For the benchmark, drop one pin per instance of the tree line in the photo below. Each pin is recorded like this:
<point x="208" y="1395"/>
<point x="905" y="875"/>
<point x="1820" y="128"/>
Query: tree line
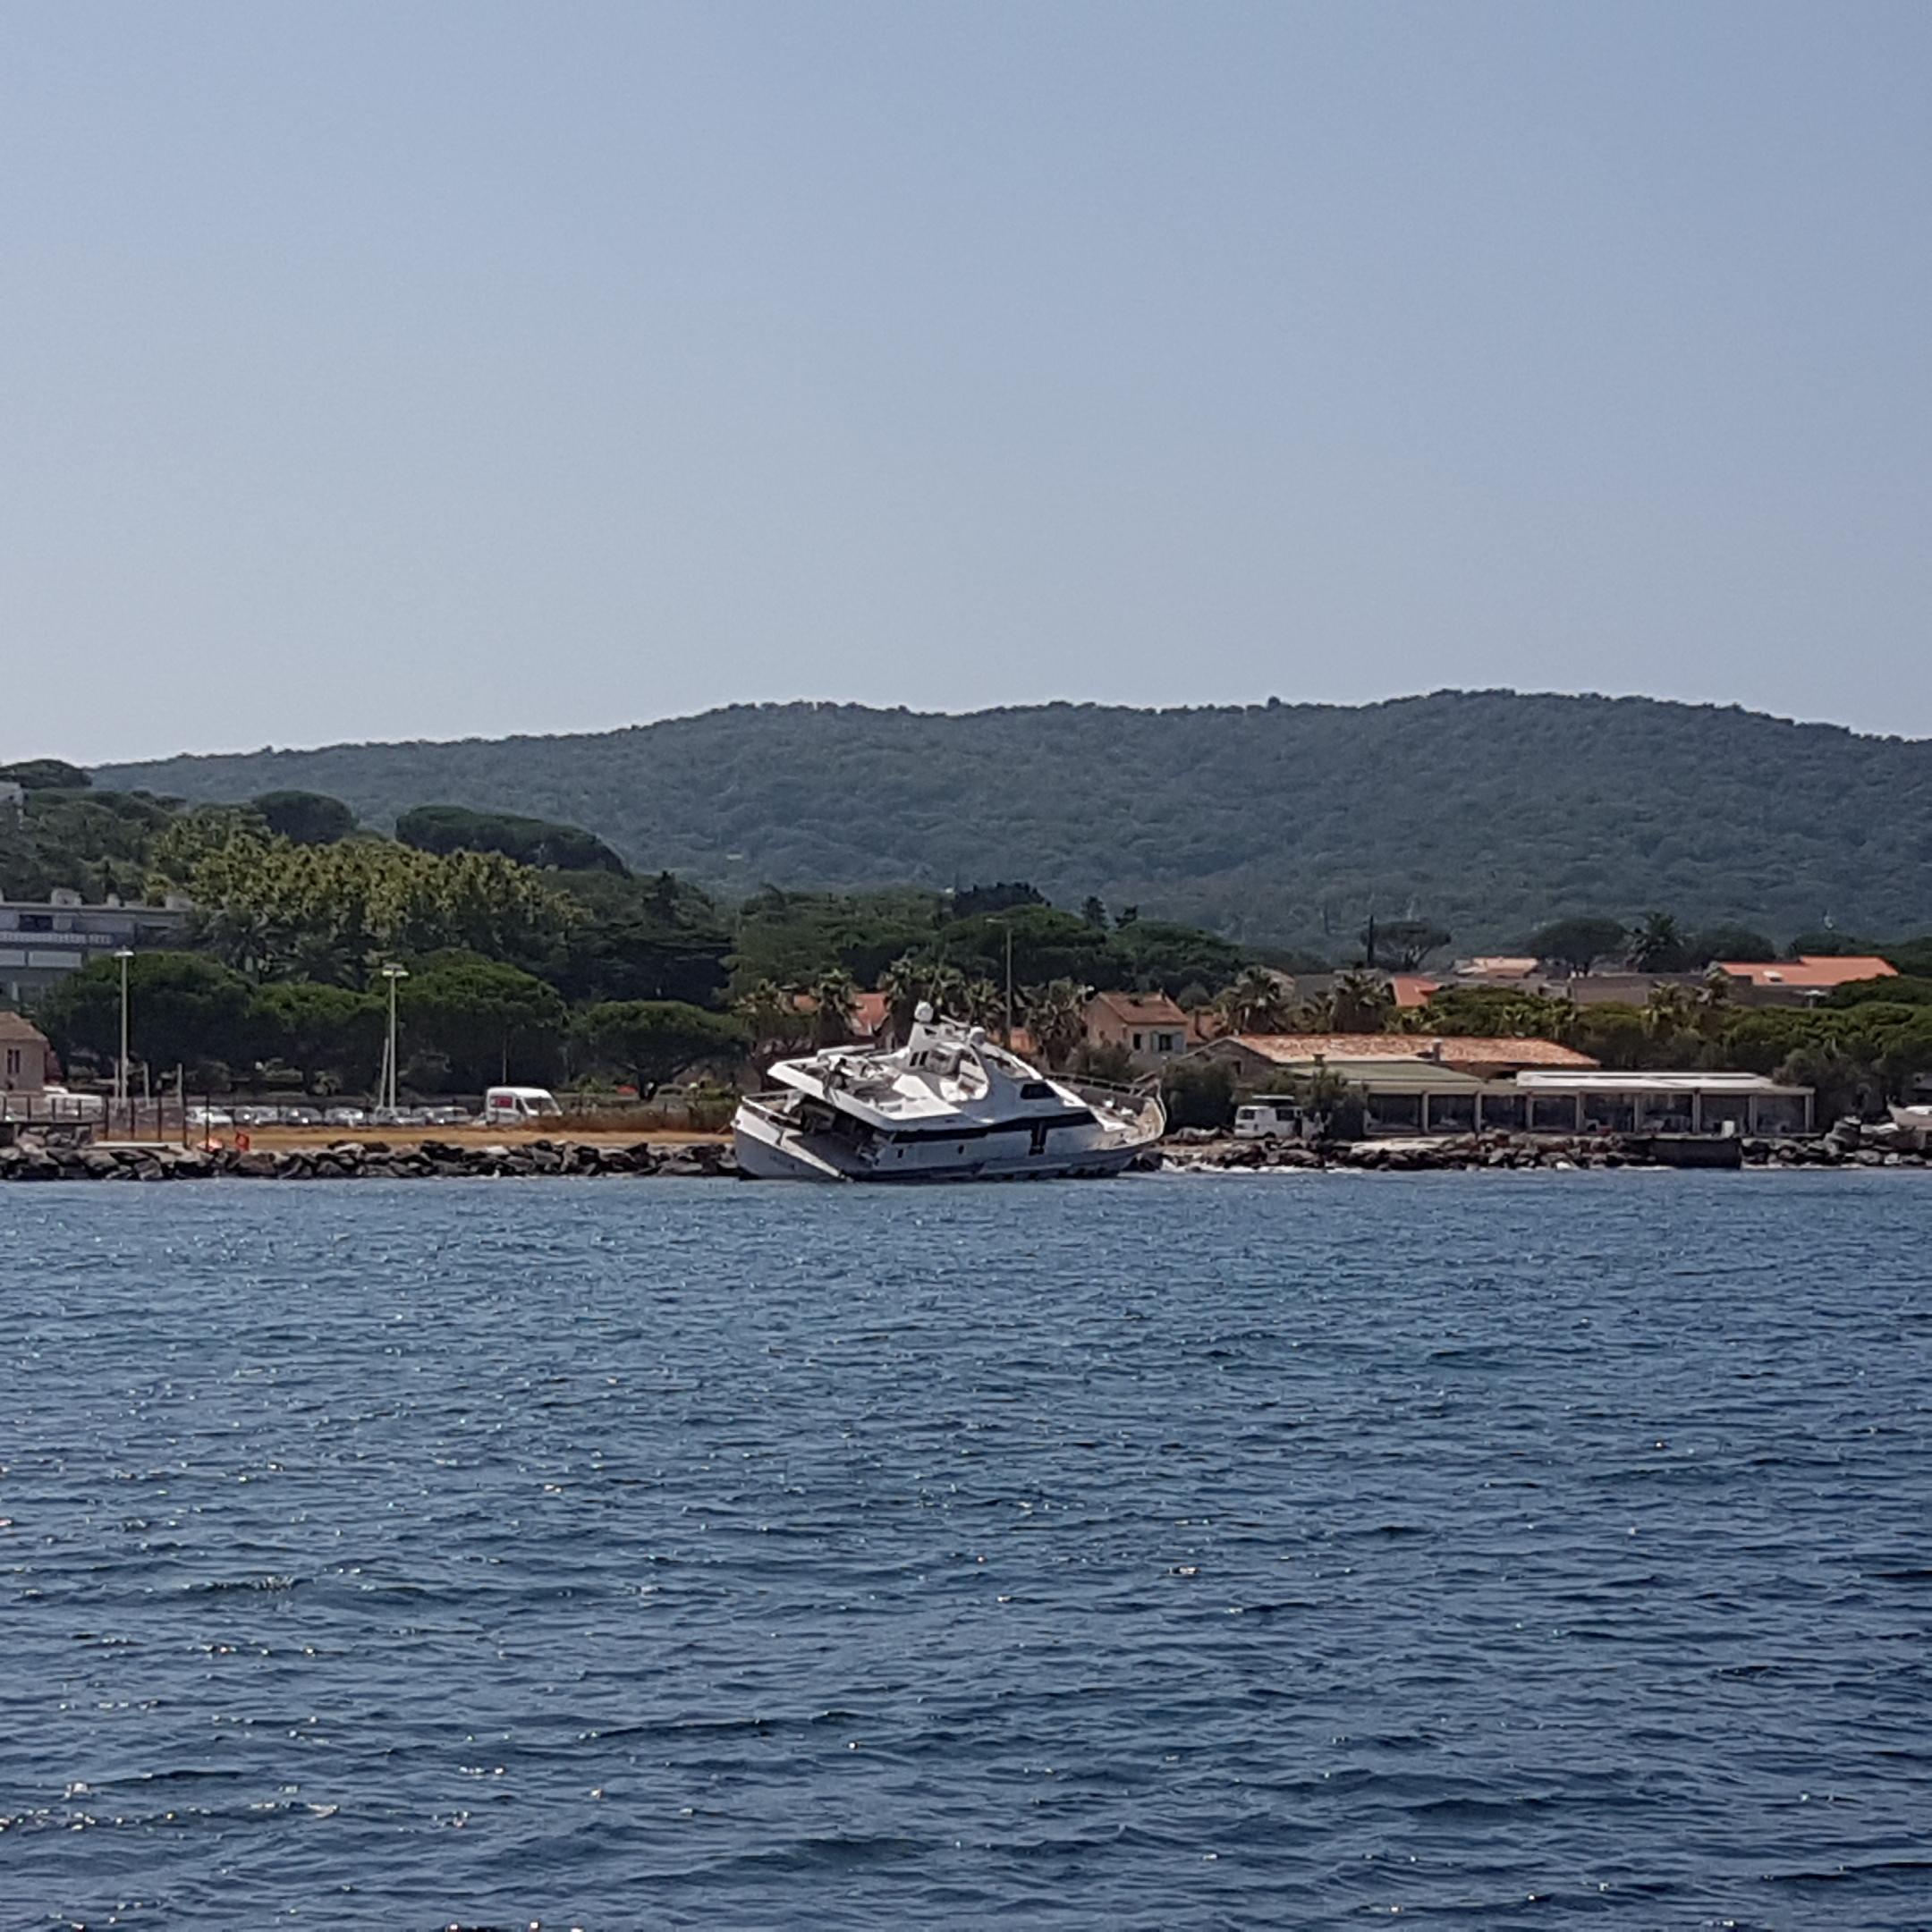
<point x="570" y="969"/>
<point x="1274" y="824"/>
<point x="574" y="968"/>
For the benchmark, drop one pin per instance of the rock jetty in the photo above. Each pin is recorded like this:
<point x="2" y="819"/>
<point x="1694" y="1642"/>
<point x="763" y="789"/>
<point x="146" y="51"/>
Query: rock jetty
<point x="370" y="1160"/>
<point x="1849" y="1144"/>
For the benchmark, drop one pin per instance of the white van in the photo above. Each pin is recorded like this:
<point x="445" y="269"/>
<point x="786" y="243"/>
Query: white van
<point x="521" y="1106"/>
<point x="1263" y="1119"/>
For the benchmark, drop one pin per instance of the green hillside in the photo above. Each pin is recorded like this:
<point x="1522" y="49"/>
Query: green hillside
<point x="1486" y="811"/>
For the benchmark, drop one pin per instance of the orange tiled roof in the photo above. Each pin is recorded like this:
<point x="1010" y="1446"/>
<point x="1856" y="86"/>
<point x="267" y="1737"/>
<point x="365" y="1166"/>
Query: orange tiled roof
<point x="1452" y="1049"/>
<point x="1141" y="1009"/>
<point x="1412" y="989"/>
<point x="1810" y="972"/>
<point x="22" y="1031"/>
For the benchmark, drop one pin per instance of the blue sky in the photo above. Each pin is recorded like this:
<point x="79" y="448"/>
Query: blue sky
<point x="403" y="371"/>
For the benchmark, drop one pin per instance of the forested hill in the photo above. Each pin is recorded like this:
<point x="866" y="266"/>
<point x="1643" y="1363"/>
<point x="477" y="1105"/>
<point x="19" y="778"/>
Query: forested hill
<point x="1485" y="811"/>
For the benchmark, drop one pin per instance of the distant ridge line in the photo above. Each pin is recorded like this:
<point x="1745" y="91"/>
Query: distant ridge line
<point x="1487" y="812"/>
<point x="121" y="766"/>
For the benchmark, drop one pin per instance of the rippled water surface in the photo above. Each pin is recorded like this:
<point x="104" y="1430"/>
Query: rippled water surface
<point x="1484" y="1550"/>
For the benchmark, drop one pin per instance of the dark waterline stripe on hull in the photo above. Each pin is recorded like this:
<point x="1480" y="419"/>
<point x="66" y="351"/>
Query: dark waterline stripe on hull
<point x="936" y="1176"/>
<point x="901" y="1136"/>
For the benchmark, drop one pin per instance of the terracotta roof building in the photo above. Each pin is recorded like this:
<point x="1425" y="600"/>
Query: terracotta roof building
<point x="1412" y="1084"/>
<point x="1484" y="1058"/>
<point x="1149" y="1026"/>
<point x="1408" y="1082"/>
<point x="1800" y="981"/>
<point x="25" y="1055"/>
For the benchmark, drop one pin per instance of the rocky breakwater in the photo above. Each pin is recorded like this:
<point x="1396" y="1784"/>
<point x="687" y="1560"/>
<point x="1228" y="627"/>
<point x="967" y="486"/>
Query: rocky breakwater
<point x="1847" y="1145"/>
<point x="365" y="1160"/>
<point x="1850" y="1143"/>
<point x="1214" y="1153"/>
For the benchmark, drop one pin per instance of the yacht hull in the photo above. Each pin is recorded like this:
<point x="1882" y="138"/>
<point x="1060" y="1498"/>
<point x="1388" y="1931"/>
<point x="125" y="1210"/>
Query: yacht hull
<point x="770" y="1149"/>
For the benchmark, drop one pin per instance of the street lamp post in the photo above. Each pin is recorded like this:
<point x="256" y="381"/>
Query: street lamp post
<point x="391" y="974"/>
<point x="123" y="953"/>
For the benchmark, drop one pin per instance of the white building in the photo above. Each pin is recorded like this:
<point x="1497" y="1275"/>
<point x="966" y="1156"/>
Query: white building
<point x="1608" y="1102"/>
<point x="42" y="941"/>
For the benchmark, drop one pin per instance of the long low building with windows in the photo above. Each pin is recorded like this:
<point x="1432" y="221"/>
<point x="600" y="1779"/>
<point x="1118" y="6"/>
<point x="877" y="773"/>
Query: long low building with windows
<point x="1607" y="1102"/>
<point x="1422" y="1084"/>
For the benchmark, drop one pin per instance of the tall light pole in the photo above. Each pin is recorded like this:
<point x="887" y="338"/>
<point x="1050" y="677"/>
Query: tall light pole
<point x="391" y="974"/>
<point x="123" y="953"/>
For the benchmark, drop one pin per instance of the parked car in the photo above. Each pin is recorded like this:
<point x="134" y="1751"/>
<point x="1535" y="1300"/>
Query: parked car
<point x="1268" y="1118"/>
<point x="345" y="1117"/>
<point x="520" y="1107"/>
<point x="63" y="1105"/>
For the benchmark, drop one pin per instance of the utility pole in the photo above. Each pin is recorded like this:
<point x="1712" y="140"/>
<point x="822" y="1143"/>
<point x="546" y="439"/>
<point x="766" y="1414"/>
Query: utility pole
<point x="391" y="974"/>
<point x="1007" y="1042"/>
<point x="123" y="953"/>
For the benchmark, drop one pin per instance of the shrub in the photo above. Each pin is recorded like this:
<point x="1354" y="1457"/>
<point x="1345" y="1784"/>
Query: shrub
<point x="1199" y="1093"/>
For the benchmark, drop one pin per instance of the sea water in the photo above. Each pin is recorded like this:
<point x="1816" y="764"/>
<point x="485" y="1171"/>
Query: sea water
<point x="1487" y="1550"/>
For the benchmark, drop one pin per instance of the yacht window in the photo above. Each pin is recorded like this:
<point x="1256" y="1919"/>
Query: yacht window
<point x="1035" y="1089"/>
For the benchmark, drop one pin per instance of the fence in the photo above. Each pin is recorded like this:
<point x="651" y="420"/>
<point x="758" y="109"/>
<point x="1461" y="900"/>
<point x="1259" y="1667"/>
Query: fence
<point x="705" y="1112"/>
<point x="45" y="1109"/>
<point x="150" y="1120"/>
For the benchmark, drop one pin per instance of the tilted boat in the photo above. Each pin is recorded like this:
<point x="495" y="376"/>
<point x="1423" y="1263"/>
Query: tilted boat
<point x="950" y="1105"/>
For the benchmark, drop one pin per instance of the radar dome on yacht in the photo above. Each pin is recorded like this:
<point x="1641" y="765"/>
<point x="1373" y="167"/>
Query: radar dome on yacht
<point x="977" y="1037"/>
<point x="922" y="1012"/>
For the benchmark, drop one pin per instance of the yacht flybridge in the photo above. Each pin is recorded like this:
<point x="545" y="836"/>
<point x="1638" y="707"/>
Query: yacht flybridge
<point x="950" y="1105"/>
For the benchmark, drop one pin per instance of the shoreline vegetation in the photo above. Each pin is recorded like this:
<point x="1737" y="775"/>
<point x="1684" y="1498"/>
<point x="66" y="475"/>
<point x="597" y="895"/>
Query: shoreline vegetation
<point x="531" y="952"/>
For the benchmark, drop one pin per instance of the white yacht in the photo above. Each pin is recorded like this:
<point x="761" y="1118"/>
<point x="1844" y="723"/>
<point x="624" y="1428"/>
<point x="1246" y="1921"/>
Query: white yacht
<point x="950" y="1105"/>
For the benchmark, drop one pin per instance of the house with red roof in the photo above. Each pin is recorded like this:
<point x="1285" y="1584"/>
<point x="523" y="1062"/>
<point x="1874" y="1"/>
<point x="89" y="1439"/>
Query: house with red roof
<point x="1407" y="1082"/>
<point x="1149" y="1027"/>
<point x="26" y="1058"/>
<point x="1802" y="981"/>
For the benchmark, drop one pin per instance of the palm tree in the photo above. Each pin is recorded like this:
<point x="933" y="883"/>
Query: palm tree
<point x="1362" y="1004"/>
<point x="1253" y="1003"/>
<point x="1656" y="944"/>
<point x="908" y="979"/>
<point x="1536" y="1016"/>
<point x="946" y="987"/>
<point x="1667" y="1012"/>
<point x="771" y="1020"/>
<point x="835" y="996"/>
<point x="1056" y="1016"/>
<point x="903" y="984"/>
<point x="983" y="1004"/>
